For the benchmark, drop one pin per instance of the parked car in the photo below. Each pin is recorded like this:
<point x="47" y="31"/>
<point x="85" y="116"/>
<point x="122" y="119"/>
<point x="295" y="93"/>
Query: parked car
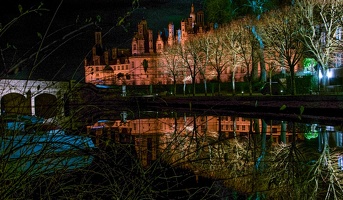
<point x="276" y="87"/>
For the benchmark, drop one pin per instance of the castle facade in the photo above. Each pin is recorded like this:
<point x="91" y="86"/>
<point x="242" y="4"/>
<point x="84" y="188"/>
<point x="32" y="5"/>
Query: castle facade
<point x="141" y="65"/>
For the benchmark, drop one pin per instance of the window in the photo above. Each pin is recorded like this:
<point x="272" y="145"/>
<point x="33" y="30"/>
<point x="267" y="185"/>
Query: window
<point x="340" y="162"/>
<point x="338" y="33"/>
<point x="339" y="139"/>
<point x="159" y="46"/>
<point x="122" y="67"/>
<point x="338" y="59"/>
<point x="127" y="67"/>
<point x="134" y="47"/>
<point x="243" y="127"/>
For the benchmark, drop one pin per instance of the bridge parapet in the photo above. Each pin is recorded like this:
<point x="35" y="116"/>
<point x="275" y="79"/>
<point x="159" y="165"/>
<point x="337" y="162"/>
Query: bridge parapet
<point x="35" y="87"/>
<point x="32" y="89"/>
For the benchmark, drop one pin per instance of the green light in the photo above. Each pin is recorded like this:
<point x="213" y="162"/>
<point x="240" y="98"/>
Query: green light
<point x="309" y="62"/>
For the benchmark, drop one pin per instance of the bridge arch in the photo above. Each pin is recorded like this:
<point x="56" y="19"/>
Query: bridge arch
<point x="15" y="103"/>
<point x="46" y="105"/>
<point x="33" y="97"/>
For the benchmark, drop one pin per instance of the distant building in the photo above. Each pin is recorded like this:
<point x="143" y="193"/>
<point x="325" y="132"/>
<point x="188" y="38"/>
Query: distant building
<point x="139" y="66"/>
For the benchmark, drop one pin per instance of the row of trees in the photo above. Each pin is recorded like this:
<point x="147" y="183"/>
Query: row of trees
<point x="274" y="40"/>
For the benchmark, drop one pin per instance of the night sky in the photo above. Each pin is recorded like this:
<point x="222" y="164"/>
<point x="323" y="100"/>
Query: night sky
<point x="67" y="61"/>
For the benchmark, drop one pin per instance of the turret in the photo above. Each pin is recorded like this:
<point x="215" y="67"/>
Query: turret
<point x="159" y="43"/>
<point x="170" y="34"/>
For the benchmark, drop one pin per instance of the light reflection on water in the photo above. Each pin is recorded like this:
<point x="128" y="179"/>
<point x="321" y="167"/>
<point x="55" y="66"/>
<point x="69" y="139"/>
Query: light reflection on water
<point x="247" y="153"/>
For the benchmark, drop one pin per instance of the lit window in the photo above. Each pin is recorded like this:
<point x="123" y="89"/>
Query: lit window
<point x="340" y="162"/>
<point x="338" y="33"/>
<point x="338" y="59"/>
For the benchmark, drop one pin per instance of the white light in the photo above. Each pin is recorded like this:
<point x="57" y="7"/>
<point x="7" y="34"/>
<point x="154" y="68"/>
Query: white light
<point x="329" y="73"/>
<point x="320" y="75"/>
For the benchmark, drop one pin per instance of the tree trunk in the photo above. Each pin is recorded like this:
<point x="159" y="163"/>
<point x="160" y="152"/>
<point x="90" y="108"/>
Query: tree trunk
<point x="254" y="69"/>
<point x="293" y="86"/>
<point x="233" y="84"/>
<point x="174" y="89"/>
<point x="218" y="78"/>
<point x="205" y="85"/>
<point x="263" y="77"/>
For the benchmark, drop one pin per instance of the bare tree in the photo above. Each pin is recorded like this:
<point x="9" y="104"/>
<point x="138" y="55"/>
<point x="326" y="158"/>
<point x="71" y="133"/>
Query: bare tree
<point x="320" y="21"/>
<point x="218" y="60"/>
<point x="172" y="64"/>
<point x="283" y="42"/>
<point x="246" y="45"/>
<point x="204" y="57"/>
<point x="232" y="56"/>
<point x="189" y="54"/>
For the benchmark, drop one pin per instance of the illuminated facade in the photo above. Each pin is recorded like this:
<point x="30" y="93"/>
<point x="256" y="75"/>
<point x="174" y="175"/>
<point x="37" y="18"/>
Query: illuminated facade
<point x="142" y="64"/>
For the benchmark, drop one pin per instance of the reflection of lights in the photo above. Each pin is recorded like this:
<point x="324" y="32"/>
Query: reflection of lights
<point x="330" y="128"/>
<point x="311" y="134"/>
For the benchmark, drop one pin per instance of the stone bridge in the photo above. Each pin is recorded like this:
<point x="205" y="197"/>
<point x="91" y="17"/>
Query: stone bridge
<point x="33" y="97"/>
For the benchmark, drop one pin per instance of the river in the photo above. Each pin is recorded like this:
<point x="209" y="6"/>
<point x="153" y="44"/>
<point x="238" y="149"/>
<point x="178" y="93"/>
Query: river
<point x="238" y="156"/>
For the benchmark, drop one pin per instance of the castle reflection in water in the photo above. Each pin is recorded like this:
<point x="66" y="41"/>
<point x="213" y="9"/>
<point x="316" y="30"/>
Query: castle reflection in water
<point x="155" y="133"/>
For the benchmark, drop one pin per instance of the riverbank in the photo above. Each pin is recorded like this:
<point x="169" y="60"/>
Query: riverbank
<point x="299" y="108"/>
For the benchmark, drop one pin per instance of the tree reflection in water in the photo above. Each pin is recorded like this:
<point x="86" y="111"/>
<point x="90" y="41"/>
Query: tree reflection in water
<point x="256" y="157"/>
